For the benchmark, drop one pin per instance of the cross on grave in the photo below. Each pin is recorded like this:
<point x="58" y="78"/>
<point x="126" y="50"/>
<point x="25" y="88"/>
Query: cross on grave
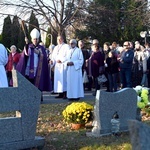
<point x="19" y="132"/>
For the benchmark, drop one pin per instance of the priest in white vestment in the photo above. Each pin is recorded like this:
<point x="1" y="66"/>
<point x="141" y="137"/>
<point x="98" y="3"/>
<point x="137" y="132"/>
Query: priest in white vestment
<point x="74" y="72"/>
<point x="3" y="62"/>
<point x="60" y="71"/>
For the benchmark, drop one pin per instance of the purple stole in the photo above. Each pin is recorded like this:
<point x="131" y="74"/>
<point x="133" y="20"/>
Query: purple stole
<point x="39" y="70"/>
<point x="31" y="69"/>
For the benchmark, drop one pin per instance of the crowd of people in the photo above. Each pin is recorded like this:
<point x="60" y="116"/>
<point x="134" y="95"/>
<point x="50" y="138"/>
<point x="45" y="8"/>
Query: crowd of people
<point x="61" y="68"/>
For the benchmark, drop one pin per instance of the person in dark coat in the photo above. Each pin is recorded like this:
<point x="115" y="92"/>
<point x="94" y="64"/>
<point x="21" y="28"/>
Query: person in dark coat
<point x="112" y="71"/>
<point x="106" y="49"/>
<point x="86" y="56"/>
<point x="126" y="59"/>
<point x="95" y="62"/>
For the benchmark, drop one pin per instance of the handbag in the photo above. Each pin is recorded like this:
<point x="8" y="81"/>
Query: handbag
<point x="85" y="77"/>
<point x="101" y="78"/>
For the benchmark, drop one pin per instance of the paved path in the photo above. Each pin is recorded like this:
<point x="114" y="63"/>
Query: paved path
<point x="48" y="98"/>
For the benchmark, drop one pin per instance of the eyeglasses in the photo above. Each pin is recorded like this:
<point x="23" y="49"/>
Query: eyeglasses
<point x="125" y="45"/>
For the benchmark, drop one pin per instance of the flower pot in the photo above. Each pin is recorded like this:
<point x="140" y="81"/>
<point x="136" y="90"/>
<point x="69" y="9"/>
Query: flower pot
<point x="77" y="126"/>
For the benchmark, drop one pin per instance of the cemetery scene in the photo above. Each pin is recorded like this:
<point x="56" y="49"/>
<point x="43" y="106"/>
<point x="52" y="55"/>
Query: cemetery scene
<point x="74" y="75"/>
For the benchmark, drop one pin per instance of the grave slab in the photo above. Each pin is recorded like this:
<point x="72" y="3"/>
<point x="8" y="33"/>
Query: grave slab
<point x="139" y="134"/>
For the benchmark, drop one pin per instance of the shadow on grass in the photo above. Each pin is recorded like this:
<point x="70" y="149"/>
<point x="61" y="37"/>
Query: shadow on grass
<point x="59" y="136"/>
<point x="77" y="140"/>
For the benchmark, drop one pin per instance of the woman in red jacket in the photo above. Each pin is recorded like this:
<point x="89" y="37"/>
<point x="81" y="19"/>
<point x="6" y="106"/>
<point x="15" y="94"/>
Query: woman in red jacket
<point x="13" y="59"/>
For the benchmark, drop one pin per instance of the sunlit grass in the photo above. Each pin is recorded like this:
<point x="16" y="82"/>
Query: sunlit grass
<point x="59" y="135"/>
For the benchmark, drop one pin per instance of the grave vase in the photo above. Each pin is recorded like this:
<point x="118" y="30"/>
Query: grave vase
<point x="77" y="126"/>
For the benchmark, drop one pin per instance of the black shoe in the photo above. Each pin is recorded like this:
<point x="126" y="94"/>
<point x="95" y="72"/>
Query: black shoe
<point x="70" y="99"/>
<point x="94" y="94"/>
<point x="107" y="91"/>
<point x="59" y="96"/>
<point x="77" y="99"/>
<point x="53" y="93"/>
<point x="64" y="97"/>
<point x="74" y="99"/>
<point x="87" y="89"/>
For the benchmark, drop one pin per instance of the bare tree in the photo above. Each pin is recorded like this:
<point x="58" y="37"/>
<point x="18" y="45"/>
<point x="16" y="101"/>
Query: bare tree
<point x="56" y="14"/>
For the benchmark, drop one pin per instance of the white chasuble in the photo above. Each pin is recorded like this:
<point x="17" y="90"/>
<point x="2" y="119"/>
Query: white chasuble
<point x="74" y="74"/>
<point x="60" y="72"/>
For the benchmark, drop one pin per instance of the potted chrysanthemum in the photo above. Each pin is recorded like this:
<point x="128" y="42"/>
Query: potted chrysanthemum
<point x="142" y="99"/>
<point x="142" y="96"/>
<point x="78" y="113"/>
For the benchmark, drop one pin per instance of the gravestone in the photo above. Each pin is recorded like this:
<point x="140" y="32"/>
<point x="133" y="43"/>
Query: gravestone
<point x="124" y="102"/>
<point x="18" y="132"/>
<point x="139" y="134"/>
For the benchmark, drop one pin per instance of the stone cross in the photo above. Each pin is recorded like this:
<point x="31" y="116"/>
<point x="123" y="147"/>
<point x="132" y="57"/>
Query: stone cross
<point x="18" y="132"/>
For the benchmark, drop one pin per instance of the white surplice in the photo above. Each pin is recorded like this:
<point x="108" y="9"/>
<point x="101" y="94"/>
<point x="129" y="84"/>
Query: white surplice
<point x="3" y="61"/>
<point x="74" y="74"/>
<point x="60" y="71"/>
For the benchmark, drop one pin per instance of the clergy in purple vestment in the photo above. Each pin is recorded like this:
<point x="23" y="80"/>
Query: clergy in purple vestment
<point x="33" y="63"/>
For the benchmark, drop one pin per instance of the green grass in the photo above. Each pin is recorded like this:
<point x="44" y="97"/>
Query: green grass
<point x="59" y="136"/>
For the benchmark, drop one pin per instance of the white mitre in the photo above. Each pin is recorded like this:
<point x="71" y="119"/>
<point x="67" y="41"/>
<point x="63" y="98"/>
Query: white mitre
<point x="35" y="34"/>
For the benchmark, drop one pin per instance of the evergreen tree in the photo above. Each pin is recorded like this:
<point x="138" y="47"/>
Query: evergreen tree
<point x="33" y="23"/>
<point x="6" y="32"/>
<point x="48" y="38"/>
<point x="50" y="35"/>
<point x="0" y="38"/>
<point x="15" y="30"/>
<point x="57" y="14"/>
<point x="115" y="20"/>
<point x="133" y="20"/>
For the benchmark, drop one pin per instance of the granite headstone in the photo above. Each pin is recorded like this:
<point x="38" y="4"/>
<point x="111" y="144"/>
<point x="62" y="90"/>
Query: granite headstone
<point x="139" y="134"/>
<point x="124" y="102"/>
<point x="18" y="132"/>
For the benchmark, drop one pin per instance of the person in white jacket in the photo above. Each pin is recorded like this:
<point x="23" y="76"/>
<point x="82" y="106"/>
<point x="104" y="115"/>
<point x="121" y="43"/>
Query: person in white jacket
<point x="74" y="72"/>
<point x="3" y="62"/>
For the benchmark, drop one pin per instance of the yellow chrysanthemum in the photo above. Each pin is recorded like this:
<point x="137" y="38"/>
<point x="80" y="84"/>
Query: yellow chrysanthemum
<point x="142" y="99"/>
<point x="78" y="112"/>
